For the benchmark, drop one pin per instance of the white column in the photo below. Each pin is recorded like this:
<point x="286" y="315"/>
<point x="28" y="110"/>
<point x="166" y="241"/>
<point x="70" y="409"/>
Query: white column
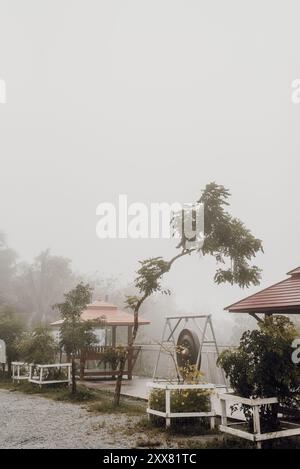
<point x="212" y="419"/>
<point x="168" y="407"/>
<point x="223" y="410"/>
<point x="41" y="376"/>
<point x="256" y="424"/>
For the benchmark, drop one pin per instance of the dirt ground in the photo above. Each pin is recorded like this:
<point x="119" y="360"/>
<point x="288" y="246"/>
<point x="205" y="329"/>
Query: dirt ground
<point x="30" y="421"/>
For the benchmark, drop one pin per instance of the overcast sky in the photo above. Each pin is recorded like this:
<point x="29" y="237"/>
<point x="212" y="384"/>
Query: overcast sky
<point x="152" y="99"/>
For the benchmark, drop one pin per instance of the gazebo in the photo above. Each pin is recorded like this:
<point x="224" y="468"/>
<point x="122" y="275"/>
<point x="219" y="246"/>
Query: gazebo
<point x="281" y="298"/>
<point x="116" y="331"/>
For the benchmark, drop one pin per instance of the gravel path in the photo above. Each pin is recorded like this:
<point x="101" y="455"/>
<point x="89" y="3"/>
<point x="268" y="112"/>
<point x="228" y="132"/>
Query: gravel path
<point x="28" y="421"/>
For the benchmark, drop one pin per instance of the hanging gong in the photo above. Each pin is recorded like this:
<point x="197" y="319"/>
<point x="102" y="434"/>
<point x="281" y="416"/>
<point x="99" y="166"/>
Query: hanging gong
<point x="188" y="348"/>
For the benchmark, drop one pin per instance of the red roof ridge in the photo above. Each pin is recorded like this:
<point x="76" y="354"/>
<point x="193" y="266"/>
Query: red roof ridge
<point x="254" y="294"/>
<point x="110" y="313"/>
<point x="294" y="271"/>
<point x="280" y="298"/>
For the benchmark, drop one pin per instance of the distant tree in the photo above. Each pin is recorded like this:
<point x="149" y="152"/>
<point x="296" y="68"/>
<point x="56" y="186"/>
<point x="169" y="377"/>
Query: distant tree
<point x="107" y="288"/>
<point x="41" y="284"/>
<point x="226" y="239"/>
<point x="11" y="330"/>
<point x="38" y="346"/>
<point x="75" y="335"/>
<point x="7" y="269"/>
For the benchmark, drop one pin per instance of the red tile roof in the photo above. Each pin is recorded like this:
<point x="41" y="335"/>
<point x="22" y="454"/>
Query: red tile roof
<point x="109" y="312"/>
<point x="283" y="297"/>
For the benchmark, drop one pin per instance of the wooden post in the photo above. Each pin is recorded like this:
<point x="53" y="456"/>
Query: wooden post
<point x="82" y="364"/>
<point x="113" y="341"/>
<point x="256" y="424"/>
<point x="41" y="376"/>
<point x="168" y="407"/>
<point x="73" y="374"/>
<point x="148" y="405"/>
<point x="212" y="419"/>
<point x="114" y="336"/>
<point x="223" y="410"/>
<point x="130" y="351"/>
<point x="69" y="376"/>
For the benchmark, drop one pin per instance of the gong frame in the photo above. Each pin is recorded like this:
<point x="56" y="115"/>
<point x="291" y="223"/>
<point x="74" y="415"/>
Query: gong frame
<point x="171" y="325"/>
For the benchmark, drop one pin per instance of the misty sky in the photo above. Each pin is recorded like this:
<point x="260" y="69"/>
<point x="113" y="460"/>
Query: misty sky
<point x="152" y="99"/>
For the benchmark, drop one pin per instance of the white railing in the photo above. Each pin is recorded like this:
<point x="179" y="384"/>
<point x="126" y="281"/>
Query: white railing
<point x="37" y="376"/>
<point x="20" y="371"/>
<point x="168" y="414"/>
<point x="287" y="428"/>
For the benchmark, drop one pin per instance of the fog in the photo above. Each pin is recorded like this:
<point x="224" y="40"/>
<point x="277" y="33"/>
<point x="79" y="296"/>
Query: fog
<point x="152" y="99"/>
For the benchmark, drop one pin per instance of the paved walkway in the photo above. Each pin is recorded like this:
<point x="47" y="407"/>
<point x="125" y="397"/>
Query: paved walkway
<point x="137" y="387"/>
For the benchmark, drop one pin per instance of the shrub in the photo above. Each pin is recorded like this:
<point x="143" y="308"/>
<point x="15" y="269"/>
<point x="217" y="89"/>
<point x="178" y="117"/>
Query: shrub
<point x="262" y="367"/>
<point x="11" y="329"/>
<point x="112" y="356"/>
<point x="187" y="400"/>
<point x="38" y="347"/>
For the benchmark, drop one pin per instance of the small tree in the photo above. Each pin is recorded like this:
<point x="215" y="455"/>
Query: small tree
<point x="262" y="367"/>
<point x="226" y="239"/>
<point x="38" y="347"/>
<point x="7" y="271"/>
<point x="11" y="329"/>
<point x="75" y="334"/>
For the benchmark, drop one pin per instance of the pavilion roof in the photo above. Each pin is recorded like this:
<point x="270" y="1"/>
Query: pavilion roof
<point x="107" y="312"/>
<point x="281" y="298"/>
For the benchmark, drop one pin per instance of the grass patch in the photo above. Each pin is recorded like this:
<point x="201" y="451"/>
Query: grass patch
<point x="5" y="383"/>
<point x="25" y="387"/>
<point x="105" y="405"/>
<point x="183" y="426"/>
<point x="144" y="426"/>
<point x="198" y="444"/>
<point x="82" y="395"/>
<point x="222" y="442"/>
<point x="147" y="443"/>
<point x="99" y="401"/>
<point x="59" y="392"/>
<point x="231" y="442"/>
<point x="192" y="427"/>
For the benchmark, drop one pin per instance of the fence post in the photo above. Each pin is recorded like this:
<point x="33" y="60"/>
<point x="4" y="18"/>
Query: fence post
<point x="41" y="376"/>
<point x="168" y="407"/>
<point x="256" y="424"/>
<point x="223" y="410"/>
<point x="212" y="419"/>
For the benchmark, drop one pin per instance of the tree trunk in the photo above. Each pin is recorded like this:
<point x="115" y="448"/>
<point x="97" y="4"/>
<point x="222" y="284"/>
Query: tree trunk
<point x="9" y="372"/>
<point x="136" y="325"/>
<point x="125" y="356"/>
<point x="82" y="364"/>
<point x="73" y="375"/>
<point x="119" y="379"/>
